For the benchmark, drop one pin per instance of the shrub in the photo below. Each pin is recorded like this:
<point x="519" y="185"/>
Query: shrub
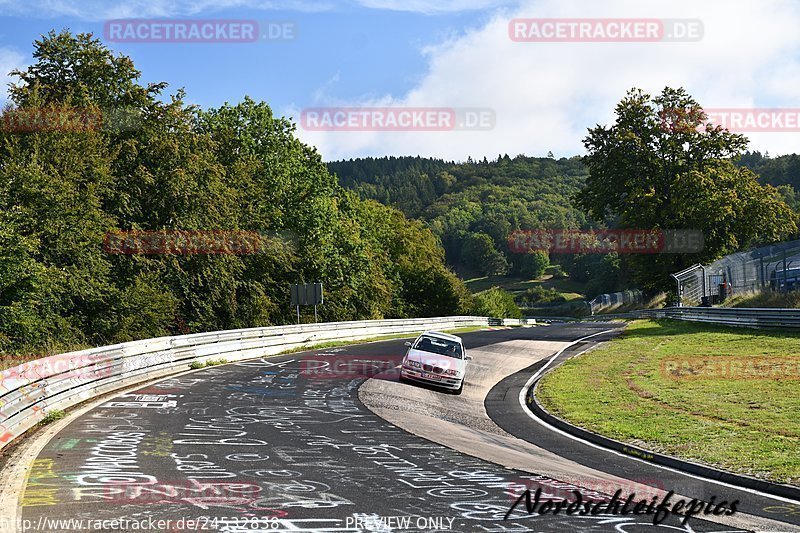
<point x="496" y="303"/>
<point x="539" y="295"/>
<point x="52" y="416"/>
<point x="194" y="365"/>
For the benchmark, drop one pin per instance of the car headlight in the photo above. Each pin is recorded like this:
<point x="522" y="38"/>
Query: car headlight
<point x="413" y="364"/>
<point x="452" y="372"/>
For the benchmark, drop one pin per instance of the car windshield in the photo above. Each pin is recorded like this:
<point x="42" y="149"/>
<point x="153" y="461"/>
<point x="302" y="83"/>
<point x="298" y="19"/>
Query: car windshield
<point x="439" y="346"/>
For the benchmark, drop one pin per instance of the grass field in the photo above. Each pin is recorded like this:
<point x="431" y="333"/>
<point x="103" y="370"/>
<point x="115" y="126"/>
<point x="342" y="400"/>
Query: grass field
<point x="570" y="290"/>
<point x="574" y="303"/>
<point x="764" y="299"/>
<point x="720" y="396"/>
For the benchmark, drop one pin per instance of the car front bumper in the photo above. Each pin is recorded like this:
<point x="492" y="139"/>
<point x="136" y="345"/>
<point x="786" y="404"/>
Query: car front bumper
<point x="445" y="382"/>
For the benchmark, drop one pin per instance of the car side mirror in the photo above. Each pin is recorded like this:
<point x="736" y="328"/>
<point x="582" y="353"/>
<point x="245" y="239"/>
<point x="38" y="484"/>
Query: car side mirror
<point x="468" y="358"/>
<point x="407" y="343"/>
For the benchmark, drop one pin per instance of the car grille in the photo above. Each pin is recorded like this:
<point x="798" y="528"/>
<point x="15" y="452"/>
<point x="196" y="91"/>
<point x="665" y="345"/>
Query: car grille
<point x="434" y="369"/>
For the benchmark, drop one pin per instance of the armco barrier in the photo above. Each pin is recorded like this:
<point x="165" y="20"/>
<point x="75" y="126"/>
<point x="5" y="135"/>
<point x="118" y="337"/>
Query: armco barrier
<point x="29" y="391"/>
<point x="728" y="316"/>
<point x="512" y="321"/>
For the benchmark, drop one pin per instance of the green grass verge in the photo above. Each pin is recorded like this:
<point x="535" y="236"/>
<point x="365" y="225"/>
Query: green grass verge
<point x="570" y="290"/>
<point x="52" y="416"/>
<point x="764" y="299"/>
<point x="194" y="365"/>
<point x="720" y="396"/>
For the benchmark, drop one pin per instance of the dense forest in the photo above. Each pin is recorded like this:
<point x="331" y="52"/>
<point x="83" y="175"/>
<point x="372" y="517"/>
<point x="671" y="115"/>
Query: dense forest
<point x="782" y="172"/>
<point x="472" y="207"/>
<point x="65" y="185"/>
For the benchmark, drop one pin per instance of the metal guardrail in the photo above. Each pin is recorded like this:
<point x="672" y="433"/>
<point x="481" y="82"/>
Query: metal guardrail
<point x="512" y="321"/>
<point x="30" y="390"/>
<point x="730" y="316"/>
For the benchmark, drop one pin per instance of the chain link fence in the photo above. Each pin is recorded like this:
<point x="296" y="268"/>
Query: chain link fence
<point x="611" y="301"/>
<point x="775" y="267"/>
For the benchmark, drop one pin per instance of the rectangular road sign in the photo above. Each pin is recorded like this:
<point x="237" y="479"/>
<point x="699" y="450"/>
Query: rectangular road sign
<point x="306" y="294"/>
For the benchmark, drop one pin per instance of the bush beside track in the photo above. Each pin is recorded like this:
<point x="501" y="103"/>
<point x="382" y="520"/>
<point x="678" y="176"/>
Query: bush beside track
<point x="720" y="396"/>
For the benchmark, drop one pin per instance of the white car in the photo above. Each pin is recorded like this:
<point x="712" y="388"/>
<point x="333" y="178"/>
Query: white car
<point x="437" y="359"/>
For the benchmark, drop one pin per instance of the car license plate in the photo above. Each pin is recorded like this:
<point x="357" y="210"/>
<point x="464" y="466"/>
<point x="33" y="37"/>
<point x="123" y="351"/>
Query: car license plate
<point x="431" y="376"/>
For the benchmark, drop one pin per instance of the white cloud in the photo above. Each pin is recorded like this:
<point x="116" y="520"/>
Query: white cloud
<point x="546" y="94"/>
<point x="10" y="59"/>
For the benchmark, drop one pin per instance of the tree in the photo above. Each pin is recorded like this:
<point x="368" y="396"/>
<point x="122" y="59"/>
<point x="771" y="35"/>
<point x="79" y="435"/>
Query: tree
<point x="534" y="264"/>
<point x="660" y="166"/>
<point x="496" y="303"/>
<point x="479" y="254"/>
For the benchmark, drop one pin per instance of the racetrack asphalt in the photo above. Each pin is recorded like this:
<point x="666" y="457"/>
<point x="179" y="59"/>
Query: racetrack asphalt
<point x="285" y="444"/>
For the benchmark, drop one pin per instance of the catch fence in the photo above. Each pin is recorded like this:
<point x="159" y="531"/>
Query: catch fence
<point x="775" y="267"/>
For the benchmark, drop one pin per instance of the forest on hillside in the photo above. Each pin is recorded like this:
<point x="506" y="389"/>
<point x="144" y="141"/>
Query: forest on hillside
<point x="473" y="206"/>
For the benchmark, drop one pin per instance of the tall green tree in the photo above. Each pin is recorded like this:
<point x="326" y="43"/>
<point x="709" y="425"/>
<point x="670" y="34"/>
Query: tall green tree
<point x="661" y="166"/>
<point x="534" y="264"/>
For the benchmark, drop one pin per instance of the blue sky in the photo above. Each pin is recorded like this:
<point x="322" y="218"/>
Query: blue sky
<point x="453" y="53"/>
<point x="347" y="49"/>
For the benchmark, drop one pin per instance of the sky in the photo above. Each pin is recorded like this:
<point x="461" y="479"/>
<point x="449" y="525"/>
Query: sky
<point x="453" y="55"/>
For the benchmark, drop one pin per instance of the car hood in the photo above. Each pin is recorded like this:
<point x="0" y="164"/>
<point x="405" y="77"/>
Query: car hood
<point x="436" y="361"/>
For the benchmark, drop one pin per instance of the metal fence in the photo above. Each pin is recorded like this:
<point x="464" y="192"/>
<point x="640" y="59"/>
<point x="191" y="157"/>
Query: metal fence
<point x="775" y="267"/>
<point x="614" y="300"/>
